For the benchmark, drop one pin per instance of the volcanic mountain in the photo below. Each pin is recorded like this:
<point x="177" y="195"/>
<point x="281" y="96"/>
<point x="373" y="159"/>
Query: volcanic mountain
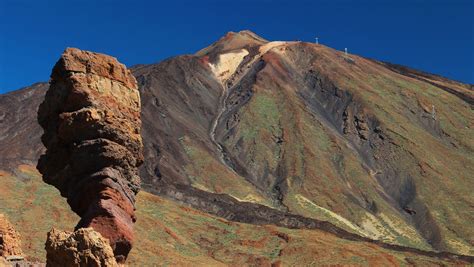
<point x="290" y="135"/>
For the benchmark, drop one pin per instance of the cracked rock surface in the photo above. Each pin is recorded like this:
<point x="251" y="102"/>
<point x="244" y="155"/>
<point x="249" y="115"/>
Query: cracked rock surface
<point x="84" y="247"/>
<point x="10" y="244"/>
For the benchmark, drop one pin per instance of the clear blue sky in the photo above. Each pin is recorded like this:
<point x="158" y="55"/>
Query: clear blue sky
<point x="434" y="36"/>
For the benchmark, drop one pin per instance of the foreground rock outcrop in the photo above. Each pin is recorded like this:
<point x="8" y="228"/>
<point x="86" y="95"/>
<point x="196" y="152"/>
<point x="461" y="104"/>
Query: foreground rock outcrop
<point x="10" y="244"/>
<point x="84" y="247"/>
<point x="91" y="121"/>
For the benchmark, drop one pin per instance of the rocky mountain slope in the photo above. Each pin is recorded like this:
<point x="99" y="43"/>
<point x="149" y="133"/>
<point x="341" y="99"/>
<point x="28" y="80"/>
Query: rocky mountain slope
<point x="292" y="134"/>
<point x="199" y="238"/>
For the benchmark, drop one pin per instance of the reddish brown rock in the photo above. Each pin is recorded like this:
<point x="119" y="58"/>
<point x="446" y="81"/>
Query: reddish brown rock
<point x="91" y="122"/>
<point x="10" y="244"/>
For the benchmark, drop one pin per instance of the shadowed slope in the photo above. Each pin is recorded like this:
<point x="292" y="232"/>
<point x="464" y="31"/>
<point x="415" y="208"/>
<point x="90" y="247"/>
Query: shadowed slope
<point x="19" y="130"/>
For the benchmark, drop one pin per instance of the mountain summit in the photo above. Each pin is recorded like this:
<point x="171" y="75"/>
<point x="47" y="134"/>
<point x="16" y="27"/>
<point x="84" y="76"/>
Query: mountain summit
<point x="299" y="136"/>
<point x="233" y="41"/>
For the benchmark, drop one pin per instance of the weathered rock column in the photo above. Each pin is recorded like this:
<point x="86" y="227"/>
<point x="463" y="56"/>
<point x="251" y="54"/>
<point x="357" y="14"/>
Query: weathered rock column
<point x="91" y="122"/>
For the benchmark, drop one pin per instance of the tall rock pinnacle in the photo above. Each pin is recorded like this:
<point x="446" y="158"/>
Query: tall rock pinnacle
<point x="91" y="121"/>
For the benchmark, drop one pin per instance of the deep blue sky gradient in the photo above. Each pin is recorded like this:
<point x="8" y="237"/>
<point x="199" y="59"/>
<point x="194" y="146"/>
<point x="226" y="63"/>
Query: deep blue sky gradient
<point x="434" y="36"/>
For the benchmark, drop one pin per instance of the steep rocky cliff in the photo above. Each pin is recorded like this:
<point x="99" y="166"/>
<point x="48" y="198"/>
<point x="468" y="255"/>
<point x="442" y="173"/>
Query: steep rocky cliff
<point x="91" y="121"/>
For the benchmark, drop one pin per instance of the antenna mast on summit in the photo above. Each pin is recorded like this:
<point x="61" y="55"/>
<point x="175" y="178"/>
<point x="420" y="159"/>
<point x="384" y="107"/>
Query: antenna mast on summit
<point x="317" y="40"/>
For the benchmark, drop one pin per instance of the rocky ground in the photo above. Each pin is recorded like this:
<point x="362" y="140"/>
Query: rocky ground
<point x="170" y="233"/>
<point x="290" y="134"/>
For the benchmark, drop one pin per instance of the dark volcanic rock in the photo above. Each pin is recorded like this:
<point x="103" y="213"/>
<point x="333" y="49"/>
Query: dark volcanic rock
<point x="19" y="130"/>
<point x="91" y="122"/>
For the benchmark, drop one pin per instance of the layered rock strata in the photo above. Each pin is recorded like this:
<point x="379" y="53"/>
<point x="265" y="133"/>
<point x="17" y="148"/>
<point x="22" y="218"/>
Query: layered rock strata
<point x="91" y="121"/>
